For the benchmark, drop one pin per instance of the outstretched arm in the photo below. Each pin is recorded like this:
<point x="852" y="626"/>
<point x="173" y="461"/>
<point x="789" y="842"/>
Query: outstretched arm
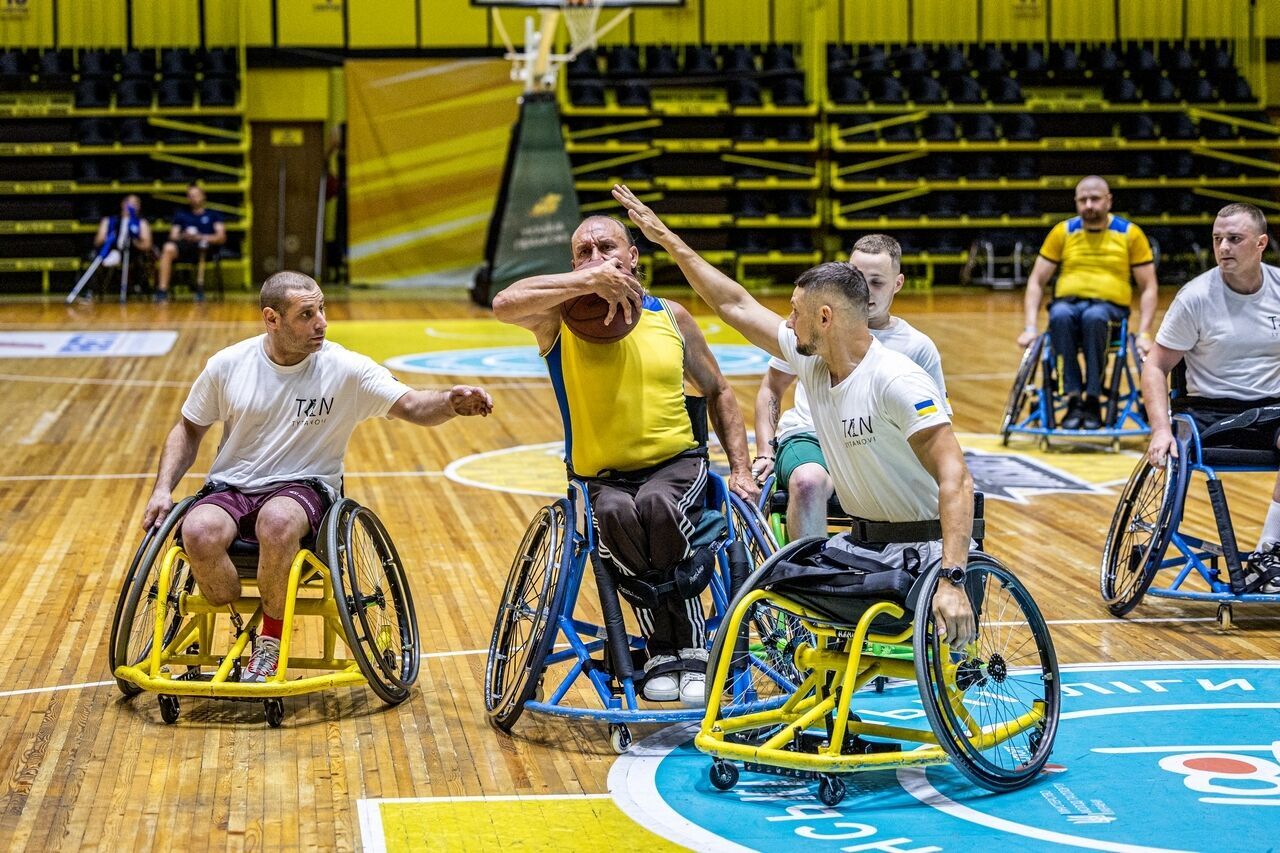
<point x="940" y="454"/>
<point x="175" y="459"/>
<point x="725" y="296"/>
<point x="726" y="416"/>
<point x="429" y="408"/>
<point x="534" y="302"/>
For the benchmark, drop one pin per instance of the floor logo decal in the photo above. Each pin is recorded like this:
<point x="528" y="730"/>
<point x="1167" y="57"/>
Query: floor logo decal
<point x="1149" y="757"/>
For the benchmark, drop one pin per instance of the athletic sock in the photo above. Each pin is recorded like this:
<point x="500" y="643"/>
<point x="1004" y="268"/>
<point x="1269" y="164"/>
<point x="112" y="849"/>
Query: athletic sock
<point x="1270" y="527"/>
<point x="272" y="627"/>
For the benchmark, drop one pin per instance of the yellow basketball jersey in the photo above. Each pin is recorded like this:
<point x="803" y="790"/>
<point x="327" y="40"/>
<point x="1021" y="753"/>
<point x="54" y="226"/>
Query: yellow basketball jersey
<point x="1096" y="264"/>
<point x="622" y="403"/>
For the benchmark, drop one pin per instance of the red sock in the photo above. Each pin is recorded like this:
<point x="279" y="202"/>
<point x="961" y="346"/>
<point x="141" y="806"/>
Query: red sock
<point x="272" y="627"/>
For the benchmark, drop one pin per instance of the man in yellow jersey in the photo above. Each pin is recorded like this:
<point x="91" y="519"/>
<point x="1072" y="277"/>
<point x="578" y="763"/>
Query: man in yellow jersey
<point x="627" y="432"/>
<point x="1097" y="251"/>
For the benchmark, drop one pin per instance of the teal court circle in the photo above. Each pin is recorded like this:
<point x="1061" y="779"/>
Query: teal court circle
<point x="1149" y="757"/>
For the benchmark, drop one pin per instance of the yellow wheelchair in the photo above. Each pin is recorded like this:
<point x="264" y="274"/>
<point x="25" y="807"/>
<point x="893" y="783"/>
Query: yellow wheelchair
<point x="805" y="634"/>
<point x="165" y="639"/>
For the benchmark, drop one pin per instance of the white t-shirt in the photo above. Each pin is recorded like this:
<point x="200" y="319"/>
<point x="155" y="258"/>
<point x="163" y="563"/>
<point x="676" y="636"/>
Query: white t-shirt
<point x="287" y="423"/>
<point x="1231" y="341"/>
<point x="863" y="425"/>
<point x="901" y="337"/>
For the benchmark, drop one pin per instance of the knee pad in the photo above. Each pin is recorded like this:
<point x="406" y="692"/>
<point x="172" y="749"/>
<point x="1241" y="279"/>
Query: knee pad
<point x="689" y="578"/>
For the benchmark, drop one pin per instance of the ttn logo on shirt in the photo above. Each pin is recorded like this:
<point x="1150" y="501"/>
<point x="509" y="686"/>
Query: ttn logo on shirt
<point x="314" y="407"/>
<point x="856" y="427"/>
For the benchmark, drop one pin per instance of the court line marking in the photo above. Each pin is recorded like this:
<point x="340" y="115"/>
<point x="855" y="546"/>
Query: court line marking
<point x="373" y="840"/>
<point x="1117" y="666"/>
<point x="148" y="475"/>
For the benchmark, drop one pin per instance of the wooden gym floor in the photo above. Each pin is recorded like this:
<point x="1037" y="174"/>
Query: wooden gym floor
<point x="83" y="767"/>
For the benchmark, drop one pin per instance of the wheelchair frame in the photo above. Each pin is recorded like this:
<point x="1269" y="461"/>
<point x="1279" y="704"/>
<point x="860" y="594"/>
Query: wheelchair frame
<point x="1123" y="417"/>
<point x="1194" y="553"/>
<point x="812" y="733"/>
<point x="565" y="637"/>
<point x="183" y="628"/>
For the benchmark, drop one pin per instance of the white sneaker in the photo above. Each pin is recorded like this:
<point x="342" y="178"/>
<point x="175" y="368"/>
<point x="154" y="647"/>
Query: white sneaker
<point x="693" y="685"/>
<point x="664" y="687"/>
<point x="1264" y="559"/>
<point x="265" y="659"/>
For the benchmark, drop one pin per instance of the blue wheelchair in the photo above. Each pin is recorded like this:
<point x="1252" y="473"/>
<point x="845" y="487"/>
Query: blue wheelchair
<point x="1148" y="521"/>
<point x="1036" y="405"/>
<point x="545" y="657"/>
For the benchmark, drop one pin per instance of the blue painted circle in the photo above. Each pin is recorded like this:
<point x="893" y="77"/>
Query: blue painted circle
<point x="524" y="361"/>
<point x="1170" y="757"/>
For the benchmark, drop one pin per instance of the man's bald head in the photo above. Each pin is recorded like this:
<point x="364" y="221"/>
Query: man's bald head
<point x="1093" y="202"/>
<point x="276" y="289"/>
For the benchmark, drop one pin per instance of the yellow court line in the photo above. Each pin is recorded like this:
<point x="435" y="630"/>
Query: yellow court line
<point x="528" y="824"/>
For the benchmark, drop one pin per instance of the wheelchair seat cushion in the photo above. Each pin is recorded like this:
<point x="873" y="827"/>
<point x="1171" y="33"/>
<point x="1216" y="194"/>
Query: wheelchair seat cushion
<point x="841" y="584"/>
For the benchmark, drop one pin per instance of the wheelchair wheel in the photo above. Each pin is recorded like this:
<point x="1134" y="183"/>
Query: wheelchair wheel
<point x="1021" y="385"/>
<point x="133" y="626"/>
<point x="750" y="526"/>
<point x="762" y="670"/>
<point x="1140" y="532"/>
<point x="374" y="601"/>
<point x="524" y="627"/>
<point x="1009" y="672"/>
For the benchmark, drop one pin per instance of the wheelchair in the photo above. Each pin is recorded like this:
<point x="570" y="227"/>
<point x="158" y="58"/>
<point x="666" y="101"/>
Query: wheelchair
<point x="164" y="633"/>
<point x="1036" y="405"/>
<point x="1148" y="520"/>
<point x="547" y="658"/>
<point x="796" y="647"/>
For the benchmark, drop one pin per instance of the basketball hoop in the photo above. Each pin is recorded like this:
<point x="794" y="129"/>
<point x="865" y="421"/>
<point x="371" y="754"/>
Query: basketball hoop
<point x="580" y="17"/>
<point x="536" y="66"/>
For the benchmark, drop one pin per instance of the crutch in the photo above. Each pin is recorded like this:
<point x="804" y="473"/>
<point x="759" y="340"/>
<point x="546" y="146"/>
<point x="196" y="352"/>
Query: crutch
<point x="93" y="268"/>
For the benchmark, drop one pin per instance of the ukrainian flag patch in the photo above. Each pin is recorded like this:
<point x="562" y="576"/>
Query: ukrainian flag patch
<point x="926" y="407"/>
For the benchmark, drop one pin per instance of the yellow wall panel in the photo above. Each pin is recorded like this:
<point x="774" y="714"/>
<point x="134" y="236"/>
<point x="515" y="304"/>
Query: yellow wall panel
<point x="666" y="26"/>
<point x="737" y="20"/>
<point x="1016" y="20"/>
<point x="1085" y="20"/>
<point x="1150" y="19"/>
<point x="166" y="23"/>
<point x="1213" y="19"/>
<point x="222" y="21"/>
<point x="387" y="23"/>
<point x="315" y="23"/>
<point x="871" y="21"/>
<point x="30" y="25"/>
<point x="287" y="94"/>
<point x="91" y="23"/>
<point x="793" y="21"/>
<point x="455" y="23"/>
<point x="1269" y="18"/>
<point x="945" y="20"/>
<point x="258" y="15"/>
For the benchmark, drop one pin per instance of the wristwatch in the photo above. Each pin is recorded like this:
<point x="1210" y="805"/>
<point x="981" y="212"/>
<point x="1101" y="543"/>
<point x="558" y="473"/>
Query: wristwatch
<point x="955" y="574"/>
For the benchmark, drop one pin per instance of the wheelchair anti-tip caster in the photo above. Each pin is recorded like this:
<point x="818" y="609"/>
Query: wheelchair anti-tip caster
<point x="831" y="789"/>
<point x="619" y="737"/>
<point x="169" y="709"/>
<point x="723" y="774"/>
<point x="1224" y="615"/>
<point x="274" y="709"/>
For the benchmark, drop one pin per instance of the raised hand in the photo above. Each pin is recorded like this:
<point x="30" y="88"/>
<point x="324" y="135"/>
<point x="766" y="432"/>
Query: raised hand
<point x="641" y="214"/>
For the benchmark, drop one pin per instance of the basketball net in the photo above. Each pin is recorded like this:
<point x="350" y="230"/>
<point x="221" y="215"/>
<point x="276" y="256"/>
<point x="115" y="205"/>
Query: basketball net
<point x="536" y="66"/>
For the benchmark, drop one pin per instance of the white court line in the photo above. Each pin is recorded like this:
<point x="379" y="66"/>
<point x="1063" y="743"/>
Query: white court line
<point x="147" y="475"/>
<point x="1130" y="750"/>
<point x="30" y="690"/>
<point x="76" y="380"/>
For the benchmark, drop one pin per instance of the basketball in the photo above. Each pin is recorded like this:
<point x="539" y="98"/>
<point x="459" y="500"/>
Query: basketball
<point x="584" y="315"/>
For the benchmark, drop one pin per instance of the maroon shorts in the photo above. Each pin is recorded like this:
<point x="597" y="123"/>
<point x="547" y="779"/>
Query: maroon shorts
<point x="244" y="508"/>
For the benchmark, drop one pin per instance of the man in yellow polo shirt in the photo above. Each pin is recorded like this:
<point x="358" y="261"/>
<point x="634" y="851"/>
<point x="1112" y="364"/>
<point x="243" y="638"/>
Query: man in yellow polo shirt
<point x="1097" y="252"/>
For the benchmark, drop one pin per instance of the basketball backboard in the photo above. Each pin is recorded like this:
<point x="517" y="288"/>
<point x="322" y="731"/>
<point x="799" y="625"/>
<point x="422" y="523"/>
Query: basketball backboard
<point x="551" y="4"/>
